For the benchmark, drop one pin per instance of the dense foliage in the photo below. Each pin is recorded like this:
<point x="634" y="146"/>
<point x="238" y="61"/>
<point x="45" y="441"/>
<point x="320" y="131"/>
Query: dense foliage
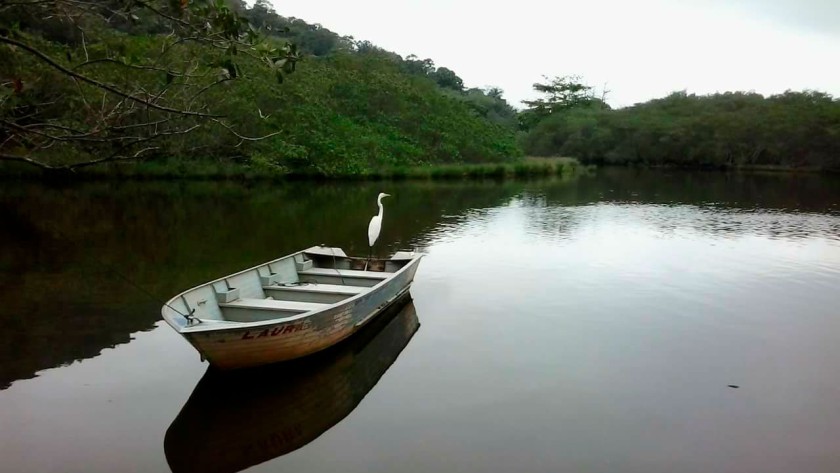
<point x="149" y="81"/>
<point x="794" y="129"/>
<point x="186" y="85"/>
<point x="349" y="112"/>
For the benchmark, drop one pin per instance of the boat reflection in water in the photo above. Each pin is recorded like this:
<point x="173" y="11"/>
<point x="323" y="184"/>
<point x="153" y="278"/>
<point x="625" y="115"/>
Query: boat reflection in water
<point x="237" y="419"/>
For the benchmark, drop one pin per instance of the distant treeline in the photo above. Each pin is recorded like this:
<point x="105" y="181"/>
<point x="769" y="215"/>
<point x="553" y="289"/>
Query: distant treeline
<point x="791" y="130"/>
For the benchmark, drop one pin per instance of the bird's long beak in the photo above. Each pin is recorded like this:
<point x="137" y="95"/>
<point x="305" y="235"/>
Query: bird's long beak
<point x="387" y="195"/>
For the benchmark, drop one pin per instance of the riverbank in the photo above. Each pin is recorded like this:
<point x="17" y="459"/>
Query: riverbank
<point x="747" y="168"/>
<point x="202" y="170"/>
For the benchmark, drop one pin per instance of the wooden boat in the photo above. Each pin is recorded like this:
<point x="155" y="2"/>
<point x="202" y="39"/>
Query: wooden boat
<point x="289" y="307"/>
<point x="236" y="419"/>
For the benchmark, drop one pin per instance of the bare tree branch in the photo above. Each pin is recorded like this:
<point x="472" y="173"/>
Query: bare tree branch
<point x="140" y="125"/>
<point x="85" y="137"/>
<point x="138" y="67"/>
<point x="241" y="137"/>
<point x="53" y="125"/>
<point x="11" y="157"/>
<point x="98" y="84"/>
<point x="179" y="21"/>
<point x="7" y="4"/>
<point x="84" y="46"/>
<point x="205" y="89"/>
<point x="136" y="108"/>
<point x="113" y="157"/>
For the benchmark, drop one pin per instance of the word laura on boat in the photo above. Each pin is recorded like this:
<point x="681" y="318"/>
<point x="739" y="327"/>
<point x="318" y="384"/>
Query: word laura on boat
<point x="289" y="307"/>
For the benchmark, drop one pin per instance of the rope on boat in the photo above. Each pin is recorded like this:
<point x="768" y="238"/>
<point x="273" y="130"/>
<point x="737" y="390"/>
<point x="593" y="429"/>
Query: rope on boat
<point x="110" y="268"/>
<point x="335" y="265"/>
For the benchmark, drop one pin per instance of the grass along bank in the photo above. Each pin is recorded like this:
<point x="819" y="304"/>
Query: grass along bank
<point x="522" y="168"/>
<point x="227" y="170"/>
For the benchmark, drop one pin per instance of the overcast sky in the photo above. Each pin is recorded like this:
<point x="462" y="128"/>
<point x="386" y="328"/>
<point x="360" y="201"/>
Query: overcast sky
<point x="640" y="49"/>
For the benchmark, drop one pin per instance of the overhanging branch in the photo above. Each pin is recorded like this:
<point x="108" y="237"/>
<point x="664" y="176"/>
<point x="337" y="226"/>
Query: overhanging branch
<point x="101" y="85"/>
<point x="113" y="157"/>
<point x="24" y="159"/>
<point x="242" y="137"/>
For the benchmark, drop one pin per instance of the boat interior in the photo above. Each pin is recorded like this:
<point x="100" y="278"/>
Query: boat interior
<point x="305" y="282"/>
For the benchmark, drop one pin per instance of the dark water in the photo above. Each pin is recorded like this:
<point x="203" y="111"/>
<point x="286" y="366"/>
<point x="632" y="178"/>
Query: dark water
<point x="588" y="325"/>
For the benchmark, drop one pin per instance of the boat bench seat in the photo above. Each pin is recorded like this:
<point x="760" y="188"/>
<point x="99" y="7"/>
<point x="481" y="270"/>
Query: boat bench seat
<point x="346" y="273"/>
<point x="320" y="288"/>
<point x="272" y="304"/>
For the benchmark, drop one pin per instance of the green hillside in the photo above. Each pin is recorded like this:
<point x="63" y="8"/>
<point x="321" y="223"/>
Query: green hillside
<point x="209" y="84"/>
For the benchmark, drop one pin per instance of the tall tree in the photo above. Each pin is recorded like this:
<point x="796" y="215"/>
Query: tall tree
<point x="558" y="94"/>
<point x="75" y="94"/>
<point x="415" y="65"/>
<point x="447" y="79"/>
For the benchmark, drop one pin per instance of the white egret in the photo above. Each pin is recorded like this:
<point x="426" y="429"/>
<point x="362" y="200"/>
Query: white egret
<point x="375" y="225"/>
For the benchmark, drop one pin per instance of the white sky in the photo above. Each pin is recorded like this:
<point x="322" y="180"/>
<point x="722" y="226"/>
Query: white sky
<point x="641" y="49"/>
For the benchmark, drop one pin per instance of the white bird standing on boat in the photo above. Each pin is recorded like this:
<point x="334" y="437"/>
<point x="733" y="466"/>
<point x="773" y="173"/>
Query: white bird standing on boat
<point x="375" y="225"/>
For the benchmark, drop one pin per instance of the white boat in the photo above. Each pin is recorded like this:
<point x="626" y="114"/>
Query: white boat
<point x="271" y="411"/>
<point x="289" y="307"/>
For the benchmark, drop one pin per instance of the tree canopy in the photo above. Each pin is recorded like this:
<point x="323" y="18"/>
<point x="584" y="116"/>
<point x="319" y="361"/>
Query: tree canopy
<point x="559" y="94"/>
<point x="793" y="129"/>
<point x="91" y="82"/>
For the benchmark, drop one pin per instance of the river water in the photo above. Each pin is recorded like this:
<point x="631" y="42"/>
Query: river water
<point x="628" y="321"/>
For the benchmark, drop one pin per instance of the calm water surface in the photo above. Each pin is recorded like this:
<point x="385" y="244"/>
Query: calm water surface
<point x="591" y="325"/>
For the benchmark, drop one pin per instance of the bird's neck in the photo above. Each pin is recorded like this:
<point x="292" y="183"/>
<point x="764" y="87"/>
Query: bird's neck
<point x="379" y="202"/>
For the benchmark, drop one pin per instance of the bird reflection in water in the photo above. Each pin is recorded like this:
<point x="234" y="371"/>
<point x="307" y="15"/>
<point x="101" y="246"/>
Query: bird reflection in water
<point x="234" y="420"/>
